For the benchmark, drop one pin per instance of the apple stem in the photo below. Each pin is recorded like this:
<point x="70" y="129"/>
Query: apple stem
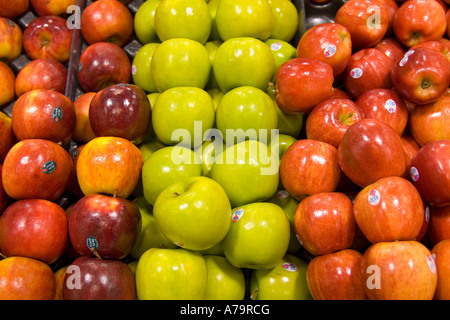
<point x="96" y="253"/>
<point x="253" y="294"/>
<point x="115" y="193"/>
<point x="2" y="255"/>
<point x="176" y="194"/>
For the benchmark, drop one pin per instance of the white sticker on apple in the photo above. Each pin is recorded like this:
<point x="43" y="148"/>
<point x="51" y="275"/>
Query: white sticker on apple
<point x="133" y="70"/>
<point x="282" y="194"/>
<point x="403" y="61"/>
<point x="414" y="173"/>
<point x="329" y="51"/>
<point x="289" y="266"/>
<point x="374" y="197"/>
<point x="276" y="46"/>
<point x="237" y="214"/>
<point x="431" y="262"/>
<point x="356" y="73"/>
<point x="390" y="106"/>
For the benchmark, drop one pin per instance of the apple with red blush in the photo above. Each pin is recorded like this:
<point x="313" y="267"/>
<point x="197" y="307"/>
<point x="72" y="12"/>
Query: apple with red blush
<point x="9" y="11"/>
<point x="11" y="37"/>
<point x="7" y="83"/>
<point x="52" y="7"/>
<point x="4" y="198"/>
<point x="410" y="147"/>
<point x="83" y="131"/>
<point x="439" y="225"/>
<point x="391" y="47"/>
<point x="441" y="253"/>
<point x="7" y="137"/>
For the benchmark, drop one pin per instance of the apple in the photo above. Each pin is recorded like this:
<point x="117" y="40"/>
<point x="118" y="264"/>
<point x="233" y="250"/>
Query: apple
<point x="438" y="227"/>
<point x="214" y="34"/>
<point x="43" y="114"/>
<point x="392" y="48"/>
<point x="7" y="82"/>
<point x="411" y="147"/>
<point x="89" y="278"/>
<point x="286" y="21"/>
<point x="36" y="169"/>
<point x="140" y="71"/>
<point x="12" y="12"/>
<point x="370" y="150"/>
<point x="340" y="93"/>
<point x="441" y="253"/>
<point x="336" y="276"/>
<point x="309" y="166"/>
<point x="391" y="7"/>
<point x="211" y="47"/>
<point x="440" y="45"/>
<point x="180" y="62"/>
<point x="144" y="22"/>
<point x="83" y="131"/>
<point x="430" y="172"/>
<point x="51" y="7"/>
<point x="330" y="119"/>
<point x="281" y="144"/>
<point x="11" y="36"/>
<point x="73" y="187"/>
<point x="109" y="165"/>
<point x="244" y="19"/>
<point x="282" y="51"/>
<point x="149" y="147"/>
<point x="4" y="198"/>
<point x="24" y="278"/>
<point x="421" y="76"/>
<point x="21" y="226"/>
<point x="207" y="152"/>
<point x="328" y="42"/>
<point x="178" y="274"/>
<point x="398" y="270"/>
<point x="302" y="83"/>
<point x="7" y="137"/>
<point x="258" y="237"/>
<point x="60" y="274"/>
<point x="103" y="64"/>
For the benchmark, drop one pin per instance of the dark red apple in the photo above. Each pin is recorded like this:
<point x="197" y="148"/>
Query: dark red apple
<point x="439" y="225"/>
<point x="392" y="48"/>
<point x="441" y="253"/>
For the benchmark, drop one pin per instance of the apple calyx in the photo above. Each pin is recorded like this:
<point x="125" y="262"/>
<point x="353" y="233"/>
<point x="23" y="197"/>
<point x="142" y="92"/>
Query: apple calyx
<point x="346" y="118"/>
<point x="176" y="194"/>
<point x="425" y="84"/>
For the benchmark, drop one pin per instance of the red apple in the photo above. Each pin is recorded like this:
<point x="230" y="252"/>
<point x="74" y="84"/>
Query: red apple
<point x="7" y="137"/>
<point x="22" y="225"/>
<point x="385" y="105"/>
<point x="302" y="83"/>
<point x="445" y="47"/>
<point x="430" y="172"/>
<point x="7" y="83"/>
<point x="441" y="252"/>
<point x="43" y="114"/>
<point x="392" y="48"/>
<point x="48" y="37"/>
<point x="371" y="150"/>
<point x="336" y="276"/>
<point x="4" y="198"/>
<point x="9" y="11"/>
<point x="83" y="131"/>
<point x="41" y="74"/>
<point x="74" y="187"/>
<point x="410" y="147"/>
<point x="329" y="120"/>
<point x="442" y="45"/>
<point x="308" y="167"/>
<point x="103" y="64"/>
<point x="340" y="93"/>
<point x="399" y="270"/>
<point x="60" y="275"/>
<point x="36" y="169"/>
<point x="52" y="7"/>
<point x="439" y="225"/>
<point x="11" y="36"/>
<point x="391" y="7"/>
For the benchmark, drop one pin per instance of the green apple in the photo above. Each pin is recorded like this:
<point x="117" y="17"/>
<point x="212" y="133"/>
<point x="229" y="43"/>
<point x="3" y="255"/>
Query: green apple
<point x="182" y="115"/>
<point x="214" y="34"/>
<point x="244" y="18"/>
<point x="281" y="143"/>
<point x="246" y="110"/>
<point x="133" y="265"/>
<point x="150" y="236"/>
<point x="140" y="69"/>
<point x="282" y="51"/>
<point x="149" y="147"/>
<point x="180" y="62"/>
<point x="216" y="250"/>
<point x="248" y="172"/>
<point x="212" y="47"/>
<point x="189" y="19"/>
<point x="225" y="281"/>
<point x="216" y="95"/>
<point x="165" y="167"/>
<point x="286" y="19"/>
<point x="258" y="237"/>
<point x="171" y="274"/>
<point x="194" y="213"/>
<point x="286" y="281"/>
<point x="207" y="152"/>
<point x="243" y="61"/>
<point x="152" y="98"/>
<point x="144" y="25"/>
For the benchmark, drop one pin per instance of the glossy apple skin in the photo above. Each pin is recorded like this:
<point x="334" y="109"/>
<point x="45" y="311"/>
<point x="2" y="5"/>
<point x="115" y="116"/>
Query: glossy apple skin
<point x="302" y="83"/>
<point x="7" y="82"/>
<point x="308" y="167"/>
<point x="441" y="45"/>
<point x="441" y="252"/>
<point x="51" y="7"/>
<point x="410" y="147"/>
<point x="326" y="281"/>
<point x="327" y="42"/>
<point x="422" y="76"/>
<point x="371" y="150"/>
<point x="392" y="48"/>
<point x="11" y="12"/>
<point x="83" y="130"/>
<point x="21" y="226"/>
<point x="324" y="223"/>
<point x="43" y="114"/>
<point x="42" y="167"/>
<point x="48" y="37"/>
<point x="7" y="137"/>
<point x="103" y="64"/>
<point x="430" y="172"/>
<point x="406" y="271"/>
<point x="439" y="225"/>
<point x="121" y="110"/>
<point x="4" y="198"/>
<point x="329" y="120"/>
<point x="385" y="105"/>
<point x="100" y="279"/>
<point x="11" y="36"/>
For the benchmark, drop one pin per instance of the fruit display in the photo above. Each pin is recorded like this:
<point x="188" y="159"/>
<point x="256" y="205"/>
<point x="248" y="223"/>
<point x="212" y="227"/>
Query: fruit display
<point x="233" y="150"/>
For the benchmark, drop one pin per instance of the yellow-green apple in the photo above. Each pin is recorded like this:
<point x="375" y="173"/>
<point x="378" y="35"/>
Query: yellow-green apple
<point x="182" y="116"/>
<point x="167" y="166"/>
<point x="281" y="144"/>
<point x="140" y="71"/>
<point x="441" y="254"/>
<point x="43" y="114"/>
<point x="43" y="168"/>
<point x="391" y="47"/>
<point x="24" y="278"/>
<point x="370" y="150"/>
<point x="243" y="61"/>
<point x="212" y="6"/>
<point x="398" y="270"/>
<point x="60" y="274"/>
<point x="11" y="37"/>
<point x="211" y="47"/>
<point x="421" y="76"/>
<point x="248" y="172"/>
<point x="285" y="281"/>
<point x="90" y="278"/>
<point x="149" y="147"/>
<point x="14" y="11"/>
<point x="207" y="151"/>
<point x="4" y="198"/>
<point x="258" y="237"/>
<point x="329" y="120"/>
<point x="83" y="131"/>
<point x="7" y="137"/>
<point x="103" y="64"/>
<point x="336" y="276"/>
<point x="144" y="22"/>
<point x="386" y="105"/>
<point x="216" y="95"/>
<point x="48" y="37"/>
<point x="7" y="82"/>
<point x="52" y="7"/>
<point x="310" y="166"/>
<point x="171" y="274"/>
<point x="430" y="172"/>
<point x="225" y="281"/>
<point x="180" y="62"/>
<point x="21" y="226"/>
<point x="286" y="18"/>
<point x="282" y="51"/>
<point x="302" y="83"/>
<point x="328" y="42"/>
<point x="190" y="19"/>
<point x="245" y="18"/>
<point x="109" y="165"/>
<point x="439" y="224"/>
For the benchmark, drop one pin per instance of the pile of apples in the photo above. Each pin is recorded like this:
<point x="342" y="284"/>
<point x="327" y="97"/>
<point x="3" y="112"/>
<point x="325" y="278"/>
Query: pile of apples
<point x="211" y="154"/>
